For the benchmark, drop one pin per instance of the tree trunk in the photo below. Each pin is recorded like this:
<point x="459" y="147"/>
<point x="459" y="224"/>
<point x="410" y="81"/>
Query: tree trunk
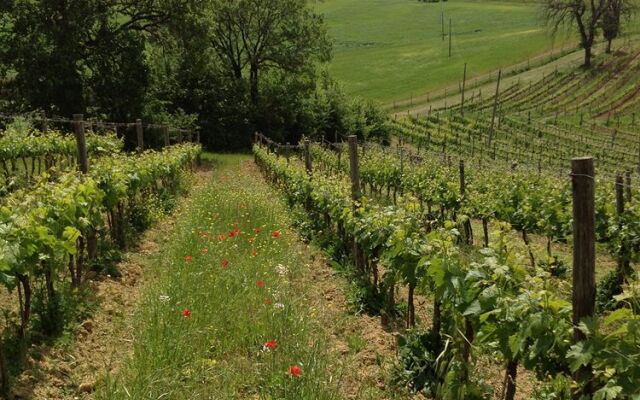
<point x="510" y="380"/>
<point x="485" y="229"/>
<point x="26" y="309"/>
<point x="587" y="56"/>
<point x="253" y="81"/>
<point x="608" y="51"/>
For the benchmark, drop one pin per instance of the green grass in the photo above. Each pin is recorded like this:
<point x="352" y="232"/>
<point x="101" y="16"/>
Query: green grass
<point x="217" y="352"/>
<point x="393" y="49"/>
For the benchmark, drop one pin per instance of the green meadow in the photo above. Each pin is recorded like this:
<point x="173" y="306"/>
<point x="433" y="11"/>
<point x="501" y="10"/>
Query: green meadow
<point x="390" y="50"/>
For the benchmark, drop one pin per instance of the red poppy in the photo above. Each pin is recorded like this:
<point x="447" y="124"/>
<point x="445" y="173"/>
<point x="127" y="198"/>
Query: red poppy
<point x="242" y="205"/>
<point x="267" y="301"/>
<point x="222" y="237"/>
<point x="254" y="253"/>
<point x="234" y="233"/>
<point x="204" y="251"/>
<point x="186" y="313"/>
<point x="225" y="263"/>
<point x="260" y="283"/>
<point x="294" y="370"/>
<point x="258" y="230"/>
<point x="275" y="234"/>
<point x="271" y="344"/>
<point x="188" y="258"/>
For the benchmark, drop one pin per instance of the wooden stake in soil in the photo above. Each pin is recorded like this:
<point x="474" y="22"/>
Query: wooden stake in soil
<point x="83" y="160"/>
<point x="307" y="157"/>
<point x="464" y="83"/>
<point x="495" y="107"/>
<point x="165" y="135"/>
<point x="584" y="283"/>
<point x="140" y="135"/>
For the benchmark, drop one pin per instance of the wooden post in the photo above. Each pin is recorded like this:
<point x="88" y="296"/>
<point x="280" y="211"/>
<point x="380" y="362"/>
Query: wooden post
<point x="584" y="238"/>
<point x="449" y="37"/>
<point x="627" y="176"/>
<point x="495" y="107"/>
<point x="286" y="151"/>
<point x="165" y="135"/>
<point x="464" y="82"/>
<point x="307" y="156"/>
<point x="83" y="160"/>
<point x="462" y="182"/>
<point x="180" y="136"/>
<point x="140" y="134"/>
<point x="45" y="125"/>
<point x="354" y="168"/>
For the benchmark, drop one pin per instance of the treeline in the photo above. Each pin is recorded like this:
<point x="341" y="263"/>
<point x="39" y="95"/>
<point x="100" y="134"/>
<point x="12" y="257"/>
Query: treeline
<point x="225" y="67"/>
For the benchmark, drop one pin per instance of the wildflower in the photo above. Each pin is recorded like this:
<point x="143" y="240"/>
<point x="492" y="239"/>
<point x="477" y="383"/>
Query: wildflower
<point x="294" y="370"/>
<point x="204" y="251"/>
<point x="279" y="306"/>
<point x="234" y="233"/>
<point x="242" y="205"/>
<point x="258" y="230"/>
<point x="275" y="234"/>
<point x="267" y="301"/>
<point x="164" y="298"/>
<point x="270" y="345"/>
<point x="281" y="270"/>
<point x="260" y="283"/>
<point x="225" y="263"/>
<point x="254" y="253"/>
<point x="251" y="240"/>
<point x="188" y="258"/>
<point x="186" y="313"/>
<point x="221" y="237"/>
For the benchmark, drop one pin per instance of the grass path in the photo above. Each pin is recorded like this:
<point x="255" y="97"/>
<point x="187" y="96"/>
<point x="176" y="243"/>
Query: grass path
<point x="232" y="281"/>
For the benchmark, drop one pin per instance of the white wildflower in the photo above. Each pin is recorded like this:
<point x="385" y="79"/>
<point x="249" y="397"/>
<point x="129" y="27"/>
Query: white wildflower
<point x="164" y="298"/>
<point x="281" y="270"/>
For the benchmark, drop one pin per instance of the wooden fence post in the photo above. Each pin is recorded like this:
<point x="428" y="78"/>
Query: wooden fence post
<point x="627" y="176"/>
<point x="307" y="157"/>
<point x="495" y="106"/>
<point x="584" y="284"/>
<point x="354" y="168"/>
<point x="83" y="160"/>
<point x="165" y="135"/>
<point x="180" y="136"/>
<point x="140" y="134"/>
<point x="464" y="83"/>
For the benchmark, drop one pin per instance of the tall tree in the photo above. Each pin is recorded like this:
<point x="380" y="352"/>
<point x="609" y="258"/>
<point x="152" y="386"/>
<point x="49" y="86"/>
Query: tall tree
<point x="62" y="54"/>
<point x="255" y="36"/>
<point x="584" y="14"/>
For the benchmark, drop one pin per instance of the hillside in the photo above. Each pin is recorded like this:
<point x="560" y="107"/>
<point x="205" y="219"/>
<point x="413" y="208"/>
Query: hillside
<point x="392" y="50"/>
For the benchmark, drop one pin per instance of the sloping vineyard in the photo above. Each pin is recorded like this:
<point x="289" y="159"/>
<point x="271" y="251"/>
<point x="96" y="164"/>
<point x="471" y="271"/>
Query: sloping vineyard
<point x="60" y="224"/>
<point x="409" y="231"/>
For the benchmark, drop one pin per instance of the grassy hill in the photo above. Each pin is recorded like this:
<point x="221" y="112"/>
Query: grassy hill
<point x="393" y="49"/>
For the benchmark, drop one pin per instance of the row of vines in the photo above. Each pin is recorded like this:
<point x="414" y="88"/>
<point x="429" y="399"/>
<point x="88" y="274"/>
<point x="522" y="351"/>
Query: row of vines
<point x="484" y="300"/>
<point x="60" y="226"/>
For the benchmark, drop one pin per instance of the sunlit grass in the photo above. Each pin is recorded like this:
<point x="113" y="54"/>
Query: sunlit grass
<point x="226" y="284"/>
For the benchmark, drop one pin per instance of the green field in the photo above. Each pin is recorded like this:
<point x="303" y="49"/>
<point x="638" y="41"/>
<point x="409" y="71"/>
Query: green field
<point x="393" y="49"/>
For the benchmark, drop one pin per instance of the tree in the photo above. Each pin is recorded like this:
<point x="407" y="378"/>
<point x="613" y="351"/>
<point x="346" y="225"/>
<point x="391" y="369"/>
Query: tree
<point x="62" y="55"/>
<point x="615" y="12"/>
<point x="260" y="35"/>
<point x="585" y="14"/>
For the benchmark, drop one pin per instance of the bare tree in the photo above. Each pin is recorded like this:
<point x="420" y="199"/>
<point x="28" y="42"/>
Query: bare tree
<point x="586" y="15"/>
